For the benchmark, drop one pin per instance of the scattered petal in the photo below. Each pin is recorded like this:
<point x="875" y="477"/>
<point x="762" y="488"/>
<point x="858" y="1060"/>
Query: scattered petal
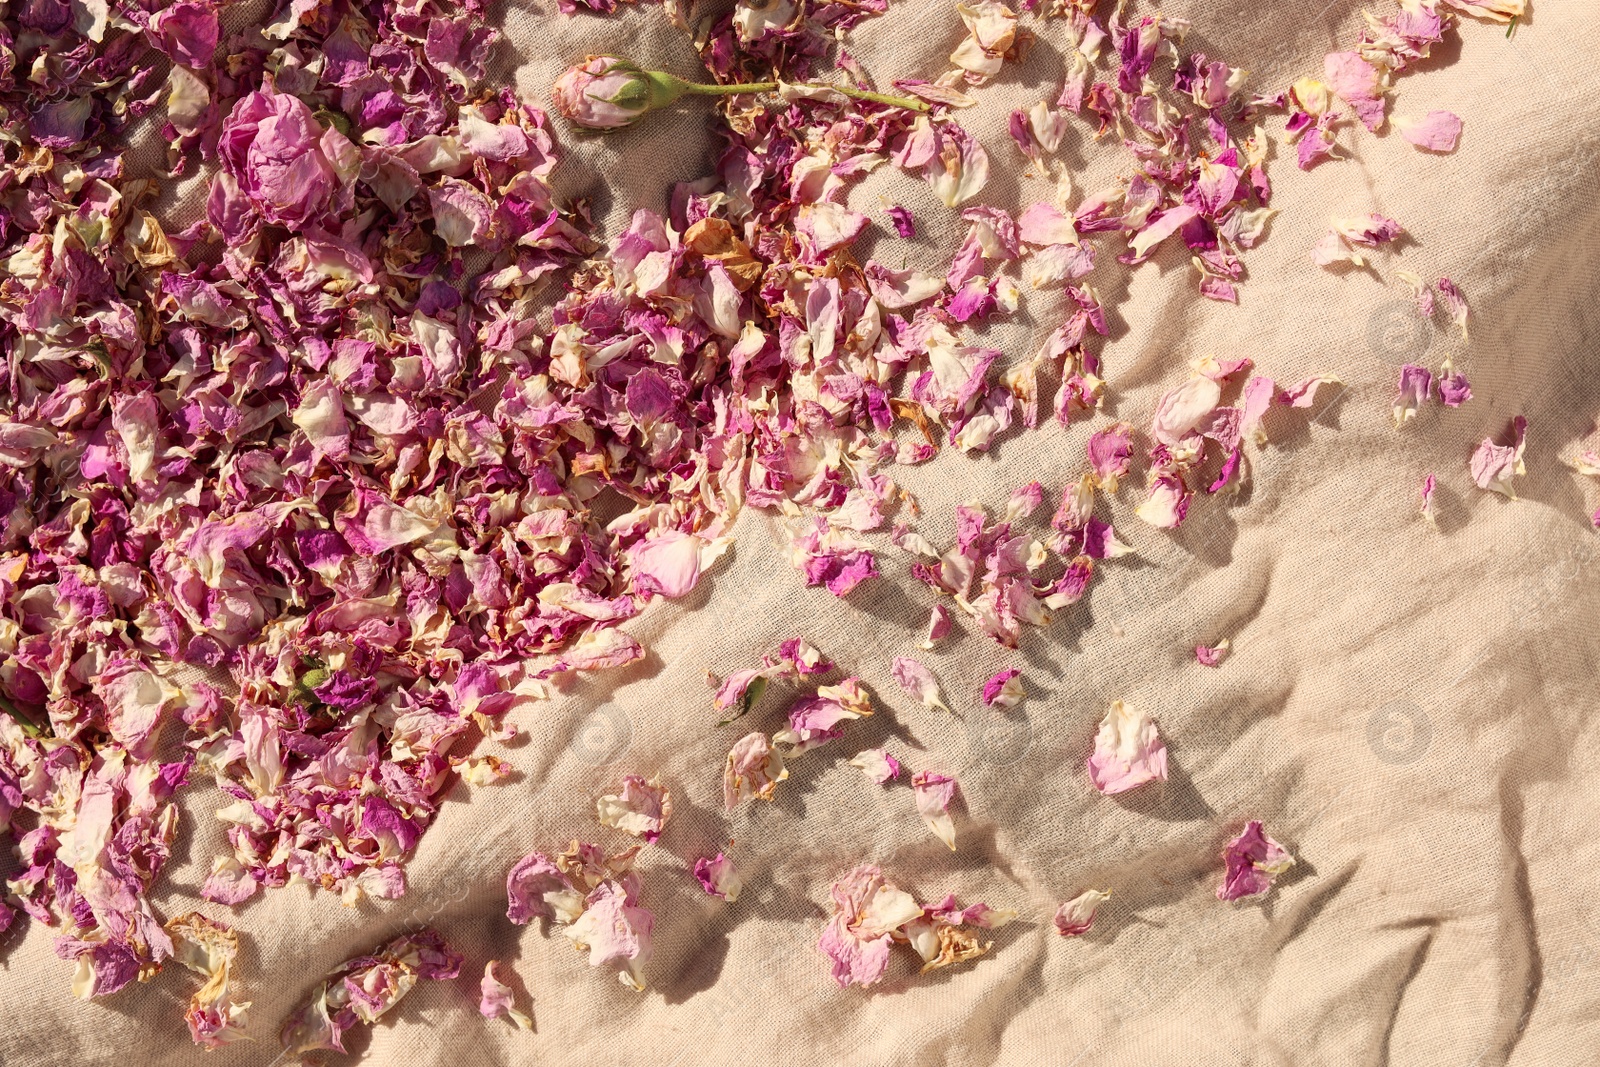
<point x="1128" y="751"/>
<point x="934" y="792"/>
<point x="877" y="764"/>
<point x="1252" y="859"/>
<point x="1074" y="918"/>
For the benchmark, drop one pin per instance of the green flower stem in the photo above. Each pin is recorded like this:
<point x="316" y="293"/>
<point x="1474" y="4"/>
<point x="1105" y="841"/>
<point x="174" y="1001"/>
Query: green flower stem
<point x="735" y="88"/>
<point x="731" y="89"/>
<point x="881" y="98"/>
<point x="29" y="727"/>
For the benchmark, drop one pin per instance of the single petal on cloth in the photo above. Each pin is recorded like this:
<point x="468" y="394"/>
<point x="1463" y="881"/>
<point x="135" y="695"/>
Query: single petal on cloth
<point x="718" y="877"/>
<point x="641" y="809"/>
<point x="918" y="681"/>
<point x="1437" y="131"/>
<point x="1252" y="860"/>
<point x="1128" y="751"/>
<point x="495" y="998"/>
<point x="614" y="927"/>
<point x="877" y="764"/>
<point x="934" y="792"/>
<point x="1494" y="465"/>
<point x="754" y="769"/>
<point x="1074" y="918"/>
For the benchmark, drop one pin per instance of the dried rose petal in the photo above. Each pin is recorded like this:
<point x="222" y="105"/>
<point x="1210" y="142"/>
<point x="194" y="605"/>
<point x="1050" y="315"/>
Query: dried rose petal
<point x="1427" y="500"/>
<point x="1494" y="465"/>
<point x="754" y="769"/>
<point x="1004" y="689"/>
<point x="1074" y="918"/>
<point x="1437" y="131"/>
<point x="1128" y="751"/>
<point x="938" y="626"/>
<point x="364" y="989"/>
<point x="1416" y="384"/>
<point x="641" y="809"/>
<point x="934" y="792"/>
<point x="209" y="948"/>
<point x="918" y="681"/>
<point x="718" y="877"/>
<point x="877" y="764"/>
<point x="1456" y="303"/>
<point x="495" y="999"/>
<point x="815" y="720"/>
<point x="614" y="927"/>
<point x="1211" y="655"/>
<point x="1252" y="859"/>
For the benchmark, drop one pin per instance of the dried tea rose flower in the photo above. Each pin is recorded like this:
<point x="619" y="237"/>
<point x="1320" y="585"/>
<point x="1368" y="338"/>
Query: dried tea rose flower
<point x="209" y="948"/>
<point x="1416" y="385"/>
<point x="1004" y="689"/>
<point x="364" y="989"/>
<point x="754" y="769"/>
<point x="1437" y="131"/>
<point x="817" y="719"/>
<point x="1456" y="303"/>
<point x="1493" y="465"/>
<point x="938" y="626"/>
<point x="613" y="927"/>
<point x="918" y="681"/>
<point x="871" y="914"/>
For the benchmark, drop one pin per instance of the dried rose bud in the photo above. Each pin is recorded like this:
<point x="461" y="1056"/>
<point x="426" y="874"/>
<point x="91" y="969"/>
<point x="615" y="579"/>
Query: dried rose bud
<point x="607" y="92"/>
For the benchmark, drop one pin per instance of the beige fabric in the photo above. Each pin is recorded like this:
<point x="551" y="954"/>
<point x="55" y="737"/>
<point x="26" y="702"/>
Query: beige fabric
<point x="1412" y="711"/>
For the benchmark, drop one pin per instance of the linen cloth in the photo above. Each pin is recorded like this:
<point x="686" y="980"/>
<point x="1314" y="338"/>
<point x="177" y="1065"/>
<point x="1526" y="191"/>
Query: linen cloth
<point x="1412" y="711"/>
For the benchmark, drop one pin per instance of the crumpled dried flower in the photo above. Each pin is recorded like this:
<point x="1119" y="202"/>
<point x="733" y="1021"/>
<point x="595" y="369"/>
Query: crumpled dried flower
<point x="209" y="949"/>
<point x="594" y="898"/>
<point x="992" y="37"/>
<point x="754" y="769"/>
<point x="1211" y="655"/>
<point x="362" y="990"/>
<point x="1416" y="384"/>
<point x="1493" y="465"/>
<point x="871" y="914"/>
<point x="718" y="877"/>
<point x="613" y="927"/>
<point x="641" y="809"/>
<point x="1253" y="860"/>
